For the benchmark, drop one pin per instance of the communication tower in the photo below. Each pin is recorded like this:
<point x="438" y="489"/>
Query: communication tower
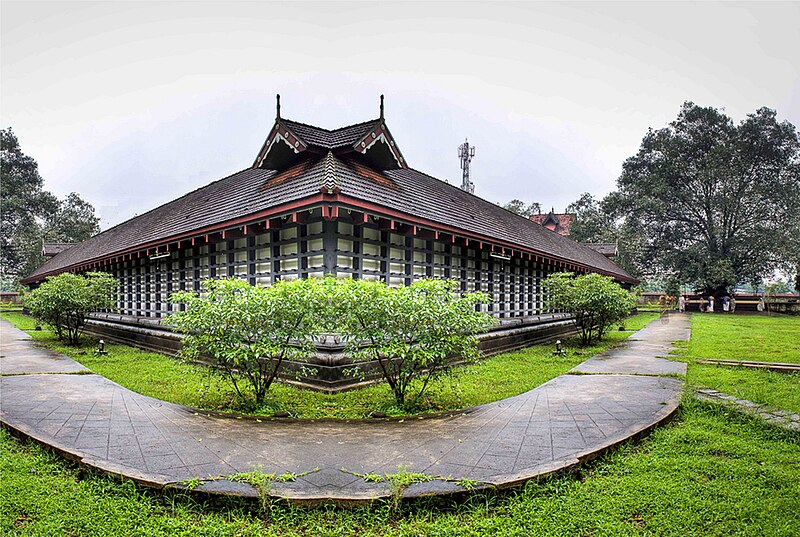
<point x="465" y="153"/>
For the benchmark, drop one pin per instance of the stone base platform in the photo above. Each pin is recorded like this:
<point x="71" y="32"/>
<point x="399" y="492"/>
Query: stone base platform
<point x="330" y="362"/>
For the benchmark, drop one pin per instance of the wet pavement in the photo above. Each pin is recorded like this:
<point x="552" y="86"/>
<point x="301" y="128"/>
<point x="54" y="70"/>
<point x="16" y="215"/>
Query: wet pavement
<point x="617" y="395"/>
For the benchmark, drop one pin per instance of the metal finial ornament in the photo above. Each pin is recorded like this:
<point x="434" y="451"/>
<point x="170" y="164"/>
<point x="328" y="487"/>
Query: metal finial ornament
<point x="466" y="153"/>
<point x="381" y="106"/>
<point x="277" y="106"/>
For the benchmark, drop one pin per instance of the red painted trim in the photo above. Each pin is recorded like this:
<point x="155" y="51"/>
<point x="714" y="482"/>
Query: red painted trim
<point x="325" y="200"/>
<point x="278" y="209"/>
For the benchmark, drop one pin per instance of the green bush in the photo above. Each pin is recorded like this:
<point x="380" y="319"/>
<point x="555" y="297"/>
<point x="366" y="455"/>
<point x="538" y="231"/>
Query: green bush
<point x="595" y="302"/>
<point x="248" y="331"/>
<point x="411" y="331"/>
<point x="64" y="301"/>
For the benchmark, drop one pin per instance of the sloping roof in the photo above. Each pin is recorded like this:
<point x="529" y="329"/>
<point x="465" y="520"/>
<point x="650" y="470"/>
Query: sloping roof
<point x="331" y="139"/>
<point x="255" y="190"/>
<point x="49" y="249"/>
<point x="235" y="196"/>
<point x="424" y="196"/>
<point x="608" y="249"/>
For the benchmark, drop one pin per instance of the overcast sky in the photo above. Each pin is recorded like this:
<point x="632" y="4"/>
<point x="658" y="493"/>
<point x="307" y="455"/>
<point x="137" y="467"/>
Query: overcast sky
<point x="134" y="104"/>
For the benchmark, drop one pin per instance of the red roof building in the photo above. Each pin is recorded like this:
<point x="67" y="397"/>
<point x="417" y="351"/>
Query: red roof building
<point x="558" y="222"/>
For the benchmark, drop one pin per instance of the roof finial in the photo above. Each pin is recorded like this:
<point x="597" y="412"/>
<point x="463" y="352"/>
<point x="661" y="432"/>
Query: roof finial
<point x="278" y="106"/>
<point x="381" y="106"/>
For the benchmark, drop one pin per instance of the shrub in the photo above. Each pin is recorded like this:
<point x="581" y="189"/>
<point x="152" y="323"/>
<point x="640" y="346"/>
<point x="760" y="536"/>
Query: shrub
<point x="595" y="302"/>
<point x="411" y="331"/>
<point x="64" y="301"/>
<point x="248" y="331"/>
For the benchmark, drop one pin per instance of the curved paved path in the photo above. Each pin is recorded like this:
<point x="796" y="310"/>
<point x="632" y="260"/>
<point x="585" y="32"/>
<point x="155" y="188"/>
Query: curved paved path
<point x="572" y="418"/>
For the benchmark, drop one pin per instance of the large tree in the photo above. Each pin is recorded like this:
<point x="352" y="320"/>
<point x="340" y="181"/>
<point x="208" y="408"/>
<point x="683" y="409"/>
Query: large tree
<point x="73" y="221"/>
<point x="713" y="203"/>
<point x="592" y="223"/>
<point x="31" y="215"/>
<point x="596" y="222"/>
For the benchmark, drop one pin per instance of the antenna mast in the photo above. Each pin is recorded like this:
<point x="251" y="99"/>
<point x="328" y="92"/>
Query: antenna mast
<point x="465" y="153"/>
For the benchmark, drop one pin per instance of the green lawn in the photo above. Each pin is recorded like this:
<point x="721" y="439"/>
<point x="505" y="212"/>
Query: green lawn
<point x="709" y="473"/>
<point x="170" y="379"/>
<point x="762" y="338"/>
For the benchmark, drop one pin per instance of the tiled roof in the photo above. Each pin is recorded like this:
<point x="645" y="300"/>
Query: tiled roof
<point x="238" y="195"/>
<point x="608" y="249"/>
<point x="345" y="136"/>
<point x="49" y="249"/>
<point x="430" y="198"/>
<point x="254" y="190"/>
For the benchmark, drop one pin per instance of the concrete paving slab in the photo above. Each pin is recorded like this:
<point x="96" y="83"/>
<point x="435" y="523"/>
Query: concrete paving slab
<point x="16" y="357"/>
<point x="568" y="419"/>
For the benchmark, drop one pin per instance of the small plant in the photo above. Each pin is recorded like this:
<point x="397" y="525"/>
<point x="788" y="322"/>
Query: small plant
<point x="192" y="483"/>
<point x="287" y="477"/>
<point x="467" y="484"/>
<point x="595" y="302"/>
<point x="373" y="478"/>
<point x="256" y="478"/>
<point x="64" y="301"/>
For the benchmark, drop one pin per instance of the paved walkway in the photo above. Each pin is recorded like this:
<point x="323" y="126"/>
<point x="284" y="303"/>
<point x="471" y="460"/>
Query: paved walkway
<point x="568" y="420"/>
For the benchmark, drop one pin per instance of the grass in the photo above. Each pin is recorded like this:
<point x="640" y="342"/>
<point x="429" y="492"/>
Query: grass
<point x="761" y="338"/>
<point x="19" y="319"/>
<point x="709" y="473"/>
<point x="171" y="380"/>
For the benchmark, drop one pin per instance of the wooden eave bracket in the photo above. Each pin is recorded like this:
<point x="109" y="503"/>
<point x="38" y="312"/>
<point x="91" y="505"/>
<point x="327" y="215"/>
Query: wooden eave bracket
<point x="280" y="133"/>
<point x="380" y="133"/>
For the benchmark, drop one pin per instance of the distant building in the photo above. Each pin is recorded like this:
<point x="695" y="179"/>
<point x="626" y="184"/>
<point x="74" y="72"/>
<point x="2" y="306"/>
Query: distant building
<point x="558" y="222"/>
<point x="10" y="297"/>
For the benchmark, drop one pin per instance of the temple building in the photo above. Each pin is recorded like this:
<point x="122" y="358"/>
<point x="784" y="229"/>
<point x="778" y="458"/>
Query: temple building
<point x="558" y="222"/>
<point x="317" y="202"/>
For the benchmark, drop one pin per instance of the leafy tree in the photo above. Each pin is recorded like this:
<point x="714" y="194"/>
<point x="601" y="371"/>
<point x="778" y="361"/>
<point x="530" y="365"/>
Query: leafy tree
<point x="24" y="204"/>
<point x="713" y="203"/>
<point x="596" y="222"/>
<point x="592" y="223"/>
<point x="518" y="207"/>
<point x="411" y="331"/>
<point x="595" y="302"/>
<point x="31" y="215"/>
<point x="249" y="331"/>
<point x="73" y="221"/>
<point x="64" y="301"/>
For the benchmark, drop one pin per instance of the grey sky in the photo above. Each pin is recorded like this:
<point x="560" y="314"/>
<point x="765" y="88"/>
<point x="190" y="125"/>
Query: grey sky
<point x="134" y="104"/>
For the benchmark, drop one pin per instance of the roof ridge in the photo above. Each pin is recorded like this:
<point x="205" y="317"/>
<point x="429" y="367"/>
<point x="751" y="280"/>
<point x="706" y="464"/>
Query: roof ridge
<point x="329" y="131"/>
<point x="330" y="181"/>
